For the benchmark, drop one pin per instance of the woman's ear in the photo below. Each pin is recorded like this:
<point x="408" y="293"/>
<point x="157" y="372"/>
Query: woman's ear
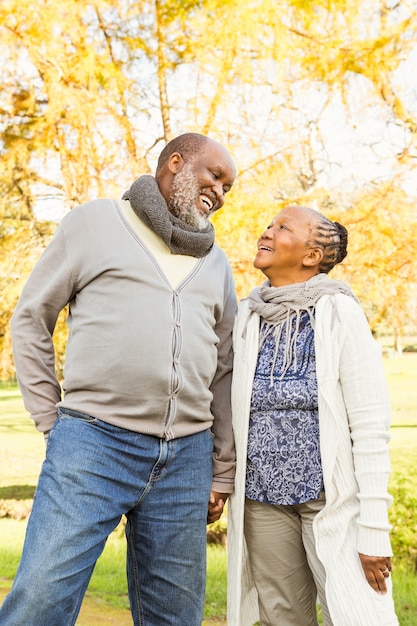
<point x="313" y="257"/>
<point x="175" y="163"/>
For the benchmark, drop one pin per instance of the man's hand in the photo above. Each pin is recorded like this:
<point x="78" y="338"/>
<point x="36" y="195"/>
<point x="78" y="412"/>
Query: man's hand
<point x="376" y="569"/>
<point x="216" y="505"/>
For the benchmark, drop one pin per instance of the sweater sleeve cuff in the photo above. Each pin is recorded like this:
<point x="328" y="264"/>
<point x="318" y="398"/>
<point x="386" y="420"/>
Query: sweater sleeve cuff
<point x="374" y="542"/>
<point x="374" y="526"/>
<point x="45" y="421"/>
<point x="222" y="485"/>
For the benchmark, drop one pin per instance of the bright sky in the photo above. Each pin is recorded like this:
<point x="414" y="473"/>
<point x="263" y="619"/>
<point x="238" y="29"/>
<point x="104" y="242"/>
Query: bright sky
<point x="355" y="153"/>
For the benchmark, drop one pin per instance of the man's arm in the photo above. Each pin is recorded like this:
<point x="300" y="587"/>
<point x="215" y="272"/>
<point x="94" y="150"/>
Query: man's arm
<point x="224" y="457"/>
<point x="46" y="292"/>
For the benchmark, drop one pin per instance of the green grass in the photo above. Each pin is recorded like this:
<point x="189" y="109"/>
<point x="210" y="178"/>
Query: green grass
<point x="401" y="374"/>
<point x="216" y="582"/>
<point x="12" y="533"/>
<point x="22" y="450"/>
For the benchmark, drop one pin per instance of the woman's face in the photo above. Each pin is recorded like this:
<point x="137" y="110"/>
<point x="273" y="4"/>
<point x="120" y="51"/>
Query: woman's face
<point x="284" y="254"/>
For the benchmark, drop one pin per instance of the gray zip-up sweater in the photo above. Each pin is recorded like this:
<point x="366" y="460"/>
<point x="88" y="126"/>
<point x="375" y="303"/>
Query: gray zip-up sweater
<point x="141" y="354"/>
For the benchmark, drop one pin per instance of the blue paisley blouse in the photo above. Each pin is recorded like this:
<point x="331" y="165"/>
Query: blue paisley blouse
<point x="284" y="464"/>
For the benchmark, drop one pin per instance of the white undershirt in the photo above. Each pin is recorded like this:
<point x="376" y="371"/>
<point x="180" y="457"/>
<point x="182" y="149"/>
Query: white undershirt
<point x="175" y="266"/>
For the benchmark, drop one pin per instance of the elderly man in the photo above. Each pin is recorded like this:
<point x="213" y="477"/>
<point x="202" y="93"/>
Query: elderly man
<point x="143" y="426"/>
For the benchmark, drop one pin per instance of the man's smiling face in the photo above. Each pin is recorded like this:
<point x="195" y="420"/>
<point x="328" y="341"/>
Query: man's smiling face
<point x="199" y="188"/>
<point x="187" y="202"/>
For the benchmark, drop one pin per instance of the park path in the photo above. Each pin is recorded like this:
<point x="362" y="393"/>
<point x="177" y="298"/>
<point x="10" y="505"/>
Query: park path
<point x="95" y="612"/>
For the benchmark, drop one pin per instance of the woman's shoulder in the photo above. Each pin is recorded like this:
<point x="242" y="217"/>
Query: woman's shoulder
<point x="244" y="304"/>
<point x="246" y="321"/>
<point x="343" y="311"/>
<point x="340" y="301"/>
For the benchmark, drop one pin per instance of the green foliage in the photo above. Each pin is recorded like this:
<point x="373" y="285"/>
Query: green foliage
<point x="109" y="576"/>
<point x="405" y="598"/>
<point x="403" y="488"/>
<point x="403" y="514"/>
<point x="12" y="536"/>
<point x="401" y="376"/>
<point x="216" y="586"/>
<point x="217" y="532"/>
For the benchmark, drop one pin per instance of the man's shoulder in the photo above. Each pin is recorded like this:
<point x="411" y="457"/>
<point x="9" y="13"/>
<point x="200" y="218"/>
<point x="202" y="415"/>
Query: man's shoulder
<point x="91" y="206"/>
<point x="218" y="257"/>
<point x="218" y="253"/>
<point x="92" y="211"/>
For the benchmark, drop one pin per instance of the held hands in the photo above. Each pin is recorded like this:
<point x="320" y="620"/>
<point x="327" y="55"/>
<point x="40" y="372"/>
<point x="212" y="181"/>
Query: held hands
<point x="376" y="569"/>
<point x="216" y="505"/>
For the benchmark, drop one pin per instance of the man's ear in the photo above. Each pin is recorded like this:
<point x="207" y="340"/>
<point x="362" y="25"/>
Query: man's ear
<point x="313" y="257"/>
<point x="175" y="163"/>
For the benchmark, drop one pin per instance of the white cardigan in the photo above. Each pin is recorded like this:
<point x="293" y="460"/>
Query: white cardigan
<point x="354" y="417"/>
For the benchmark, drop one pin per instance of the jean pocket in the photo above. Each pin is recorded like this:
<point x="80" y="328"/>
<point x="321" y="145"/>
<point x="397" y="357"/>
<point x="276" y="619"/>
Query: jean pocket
<point x="63" y="413"/>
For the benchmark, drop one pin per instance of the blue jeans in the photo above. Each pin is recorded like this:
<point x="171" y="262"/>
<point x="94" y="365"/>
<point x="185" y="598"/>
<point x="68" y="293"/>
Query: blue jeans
<point x="93" y="474"/>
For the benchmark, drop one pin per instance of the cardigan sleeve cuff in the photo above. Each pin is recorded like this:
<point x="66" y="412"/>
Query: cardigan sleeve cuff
<point x="374" y="526"/>
<point x="374" y="542"/>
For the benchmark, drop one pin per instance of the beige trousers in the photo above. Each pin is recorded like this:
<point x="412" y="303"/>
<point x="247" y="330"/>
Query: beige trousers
<point x="287" y="572"/>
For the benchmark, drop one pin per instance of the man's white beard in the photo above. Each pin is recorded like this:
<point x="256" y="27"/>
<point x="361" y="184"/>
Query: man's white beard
<point x="183" y="197"/>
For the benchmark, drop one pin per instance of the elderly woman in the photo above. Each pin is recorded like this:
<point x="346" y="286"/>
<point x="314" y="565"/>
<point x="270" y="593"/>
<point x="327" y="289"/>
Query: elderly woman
<point x="308" y="518"/>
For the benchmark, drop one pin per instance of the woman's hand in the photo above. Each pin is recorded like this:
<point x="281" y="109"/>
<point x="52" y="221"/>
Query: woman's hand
<point x="377" y="569"/>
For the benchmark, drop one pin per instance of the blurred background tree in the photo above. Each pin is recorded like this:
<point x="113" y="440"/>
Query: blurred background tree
<point x="315" y="100"/>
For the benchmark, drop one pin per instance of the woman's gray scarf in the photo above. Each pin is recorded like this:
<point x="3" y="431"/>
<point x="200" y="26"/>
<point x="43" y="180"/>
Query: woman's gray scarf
<point x="280" y="306"/>
<point x="150" y="206"/>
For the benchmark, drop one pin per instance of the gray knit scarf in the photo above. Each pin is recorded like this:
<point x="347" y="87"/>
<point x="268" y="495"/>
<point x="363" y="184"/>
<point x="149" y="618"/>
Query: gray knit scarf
<point x="150" y="206"/>
<point x="280" y="306"/>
